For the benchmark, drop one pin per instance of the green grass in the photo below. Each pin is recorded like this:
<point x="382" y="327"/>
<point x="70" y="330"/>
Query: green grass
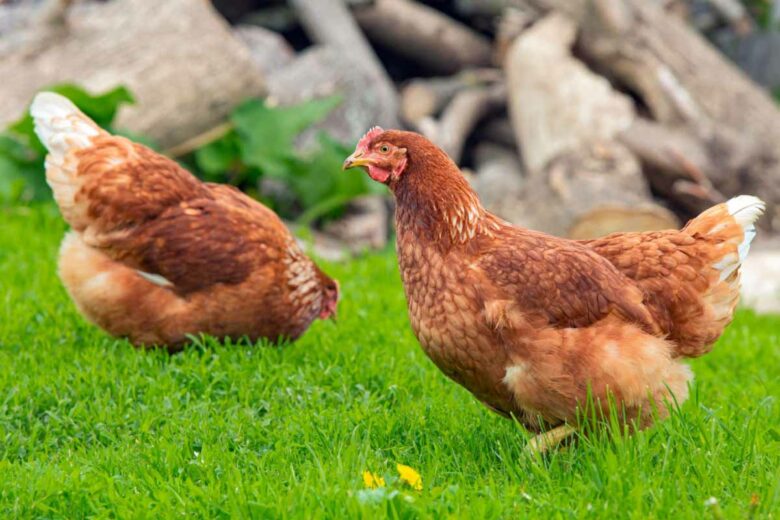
<point x="90" y="427"/>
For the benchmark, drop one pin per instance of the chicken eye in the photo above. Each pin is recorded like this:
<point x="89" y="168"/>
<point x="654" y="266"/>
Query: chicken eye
<point x="384" y="148"/>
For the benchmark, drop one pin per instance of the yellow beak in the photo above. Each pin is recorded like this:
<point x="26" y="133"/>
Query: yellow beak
<point x="356" y="159"/>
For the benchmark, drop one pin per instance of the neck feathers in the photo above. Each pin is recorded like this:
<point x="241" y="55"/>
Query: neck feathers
<point x="434" y="199"/>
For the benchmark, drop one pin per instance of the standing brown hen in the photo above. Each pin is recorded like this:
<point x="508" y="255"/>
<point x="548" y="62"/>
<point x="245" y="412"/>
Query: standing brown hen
<point x="531" y="323"/>
<point x="155" y="254"/>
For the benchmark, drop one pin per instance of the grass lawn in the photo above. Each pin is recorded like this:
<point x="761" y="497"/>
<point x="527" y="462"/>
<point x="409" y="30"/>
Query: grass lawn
<point x="90" y="427"/>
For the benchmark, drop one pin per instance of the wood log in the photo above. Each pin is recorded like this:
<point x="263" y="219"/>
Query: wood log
<point x="330" y="23"/>
<point x="31" y="25"/>
<point x="760" y="279"/>
<point x="591" y="192"/>
<point x="364" y="225"/>
<point x="460" y="117"/>
<point x="677" y="164"/>
<point x="278" y="18"/>
<point x="681" y="78"/>
<point x="181" y="89"/>
<point x="425" y="97"/>
<point x="581" y="183"/>
<point x="498" y="130"/>
<point x="281" y="17"/>
<point x="512" y="23"/>
<point x="735" y="14"/>
<point x="492" y="8"/>
<point x="757" y="55"/>
<point x="684" y="81"/>
<point x="269" y="50"/>
<point x="499" y="181"/>
<point x="556" y="103"/>
<point x="424" y="35"/>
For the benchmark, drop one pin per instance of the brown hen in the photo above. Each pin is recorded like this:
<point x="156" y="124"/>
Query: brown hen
<point x="532" y="323"/>
<point x="155" y="254"/>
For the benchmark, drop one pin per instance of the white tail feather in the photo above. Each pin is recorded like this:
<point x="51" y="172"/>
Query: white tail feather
<point x="746" y="209"/>
<point x="61" y="126"/>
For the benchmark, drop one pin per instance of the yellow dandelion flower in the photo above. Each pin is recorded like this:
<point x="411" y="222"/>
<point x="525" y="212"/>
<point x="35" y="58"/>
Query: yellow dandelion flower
<point x="410" y="476"/>
<point x="372" y="481"/>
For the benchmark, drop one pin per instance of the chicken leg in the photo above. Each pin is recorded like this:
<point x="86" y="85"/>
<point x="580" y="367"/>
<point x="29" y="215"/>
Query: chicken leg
<point x="549" y="439"/>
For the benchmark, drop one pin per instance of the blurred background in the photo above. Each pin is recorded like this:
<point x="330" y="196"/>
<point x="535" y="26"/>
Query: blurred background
<point x="574" y="117"/>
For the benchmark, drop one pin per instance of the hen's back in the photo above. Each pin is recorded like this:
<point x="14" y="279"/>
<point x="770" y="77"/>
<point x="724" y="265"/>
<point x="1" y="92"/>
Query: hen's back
<point x="103" y="182"/>
<point x="690" y="277"/>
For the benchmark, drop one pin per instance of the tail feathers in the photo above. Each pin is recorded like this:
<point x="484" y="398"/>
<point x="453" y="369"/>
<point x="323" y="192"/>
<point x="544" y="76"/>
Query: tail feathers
<point x="61" y="126"/>
<point x="740" y="230"/>
<point x="746" y="210"/>
<point x="733" y="223"/>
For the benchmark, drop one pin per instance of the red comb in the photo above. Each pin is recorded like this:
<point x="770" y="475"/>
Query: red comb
<point x="368" y="137"/>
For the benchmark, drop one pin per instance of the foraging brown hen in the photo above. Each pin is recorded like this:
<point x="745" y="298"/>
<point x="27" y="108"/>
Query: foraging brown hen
<point x="530" y="323"/>
<point x="155" y="254"/>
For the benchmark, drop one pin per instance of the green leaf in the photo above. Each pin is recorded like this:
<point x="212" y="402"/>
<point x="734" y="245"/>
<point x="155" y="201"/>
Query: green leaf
<point x="263" y="144"/>
<point x="21" y="177"/>
<point x="11" y="181"/>
<point x="11" y="148"/>
<point x="323" y="187"/>
<point x="21" y="182"/>
<point x="219" y="156"/>
<point x="267" y="134"/>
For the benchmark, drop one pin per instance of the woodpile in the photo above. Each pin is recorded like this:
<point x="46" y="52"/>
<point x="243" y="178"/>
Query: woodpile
<point x="576" y="117"/>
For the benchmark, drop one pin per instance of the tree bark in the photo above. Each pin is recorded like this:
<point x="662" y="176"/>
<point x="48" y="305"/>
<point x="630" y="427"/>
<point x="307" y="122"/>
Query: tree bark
<point x="330" y="23"/>
<point x="425" y="35"/>
<point x="181" y="88"/>
<point x="426" y="97"/>
<point x="460" y="117"/>
<point x="582" y="182"/>
<point x="591" y="192"/>
<point x="556" y="103"/>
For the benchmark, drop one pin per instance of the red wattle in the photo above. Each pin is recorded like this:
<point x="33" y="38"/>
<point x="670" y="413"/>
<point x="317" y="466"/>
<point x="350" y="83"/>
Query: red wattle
<point x="378" y="174"/>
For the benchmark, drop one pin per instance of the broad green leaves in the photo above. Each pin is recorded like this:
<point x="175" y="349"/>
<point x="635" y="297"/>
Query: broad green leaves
<point x="262" y="144"/>
<point x="267" y="134"/>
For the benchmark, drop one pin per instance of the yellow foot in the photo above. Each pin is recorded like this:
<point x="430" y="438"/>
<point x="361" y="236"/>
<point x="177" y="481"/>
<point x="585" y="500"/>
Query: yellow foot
<point x="544" y="441"/>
